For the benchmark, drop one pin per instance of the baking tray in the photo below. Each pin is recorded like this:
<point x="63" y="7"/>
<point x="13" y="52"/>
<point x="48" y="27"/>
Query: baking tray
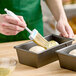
<point x="67" y="60"/>
<point x="37" y="60"/>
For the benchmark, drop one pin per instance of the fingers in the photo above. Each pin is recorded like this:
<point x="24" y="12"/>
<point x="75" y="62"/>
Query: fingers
<point x="62" y="30"/>
<point x="9" y="32"/>
<point x="9" y="29"/>
<point x="12" y="27"/>
<point x="65" y="30"/>
<point x="21" y="18"/>
<point x="60" y="34"/>
<point x="64" y="33"/>
<point x="69" y="31"/>
<point x="12" y="20"/>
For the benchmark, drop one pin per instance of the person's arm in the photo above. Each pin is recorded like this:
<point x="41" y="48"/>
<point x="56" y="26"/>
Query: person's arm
<point x="57" y="10"/>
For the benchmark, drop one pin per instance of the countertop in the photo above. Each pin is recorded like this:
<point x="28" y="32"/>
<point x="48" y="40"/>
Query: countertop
<point x="52" y="69"/>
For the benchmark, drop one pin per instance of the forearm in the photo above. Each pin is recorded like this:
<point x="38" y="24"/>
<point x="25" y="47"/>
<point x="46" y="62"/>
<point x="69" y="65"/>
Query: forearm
<point x="56" y="8"/>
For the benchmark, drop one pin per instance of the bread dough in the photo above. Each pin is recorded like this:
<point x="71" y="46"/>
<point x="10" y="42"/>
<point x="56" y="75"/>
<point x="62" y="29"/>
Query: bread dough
<point x="53" y="43"/>
<point x="37" y="49"/>
<point x="73" y="52"/>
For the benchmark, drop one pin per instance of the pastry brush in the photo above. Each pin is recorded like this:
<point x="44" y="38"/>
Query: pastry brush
<point x="34" y="35"/>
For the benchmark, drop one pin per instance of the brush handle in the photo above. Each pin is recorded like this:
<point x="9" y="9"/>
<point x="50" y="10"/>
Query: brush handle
<point x="14" y="16"/>
<point x="28" y="30"/>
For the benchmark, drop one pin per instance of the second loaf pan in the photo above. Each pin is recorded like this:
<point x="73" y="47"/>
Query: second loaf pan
<point x="67" y="60"/>
<point x="37" y="60"/>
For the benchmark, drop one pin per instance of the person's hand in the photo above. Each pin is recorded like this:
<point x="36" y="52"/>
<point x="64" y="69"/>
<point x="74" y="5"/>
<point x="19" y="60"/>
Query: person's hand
<point x="11" y="26"/>
<point x="64" y="28"/>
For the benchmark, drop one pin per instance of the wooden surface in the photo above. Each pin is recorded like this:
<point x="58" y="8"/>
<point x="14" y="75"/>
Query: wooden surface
<point x="52" y="69"/>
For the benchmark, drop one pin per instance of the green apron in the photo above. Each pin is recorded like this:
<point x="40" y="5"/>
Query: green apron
<point x="30" y="10"/>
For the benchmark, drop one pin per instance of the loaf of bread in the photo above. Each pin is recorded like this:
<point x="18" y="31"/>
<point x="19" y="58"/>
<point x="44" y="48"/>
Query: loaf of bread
<point x="73" y="52"/>
<point x="52" y="43"/>
<point x="37" y="49"/>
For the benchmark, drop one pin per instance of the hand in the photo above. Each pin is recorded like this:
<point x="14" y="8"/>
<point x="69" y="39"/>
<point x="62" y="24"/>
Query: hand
<point x="64" y="28"/>
<point x="11" y="26"/>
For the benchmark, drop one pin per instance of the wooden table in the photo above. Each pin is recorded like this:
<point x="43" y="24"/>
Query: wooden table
<point x="52" y="69"/>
